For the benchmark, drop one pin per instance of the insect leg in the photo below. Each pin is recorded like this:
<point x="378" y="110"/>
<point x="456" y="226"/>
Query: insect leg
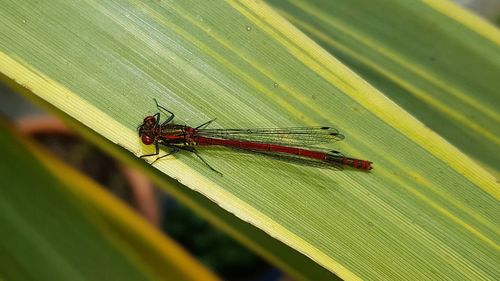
<point x="204" y="125"/>
<point x="157" y="117"/>
<point x="173" y="151"/>
<point x="172" y="115"/>
<point x="157" y="151"/>
<point x="193" y="150"/>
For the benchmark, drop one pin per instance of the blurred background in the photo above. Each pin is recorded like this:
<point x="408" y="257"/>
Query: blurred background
<point x="488" y="9"/>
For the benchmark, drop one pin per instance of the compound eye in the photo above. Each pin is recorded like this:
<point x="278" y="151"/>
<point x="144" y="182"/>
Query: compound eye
<point x="147" y="139"/>
<point x="149" y="120"/>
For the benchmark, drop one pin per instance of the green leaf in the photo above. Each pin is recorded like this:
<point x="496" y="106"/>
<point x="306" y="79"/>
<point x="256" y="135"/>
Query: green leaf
<point x="434" y="59"/>
<point x="417" y="215"/>
<point x="59" y="225"/>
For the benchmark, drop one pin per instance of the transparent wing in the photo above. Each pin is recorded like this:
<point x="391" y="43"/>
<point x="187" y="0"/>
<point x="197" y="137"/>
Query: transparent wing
<point x="298" y="160"/>
<point x="293" y="136"/>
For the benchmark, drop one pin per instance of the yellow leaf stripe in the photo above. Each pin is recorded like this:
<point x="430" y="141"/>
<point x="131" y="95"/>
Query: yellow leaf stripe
<point x="471" y="21"/>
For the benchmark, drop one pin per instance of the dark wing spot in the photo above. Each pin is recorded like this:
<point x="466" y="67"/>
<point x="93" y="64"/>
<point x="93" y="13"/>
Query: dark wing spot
<point x="325" y="128"/>
<point x="338" y="135"/>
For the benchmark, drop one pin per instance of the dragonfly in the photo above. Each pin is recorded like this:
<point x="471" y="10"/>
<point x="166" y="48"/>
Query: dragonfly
<point x="293" y="144"/>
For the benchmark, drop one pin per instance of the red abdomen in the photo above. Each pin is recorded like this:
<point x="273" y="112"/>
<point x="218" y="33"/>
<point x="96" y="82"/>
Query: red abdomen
<point x="257" y="146"/>
<point x="334" y="159"/>
<point x="356" y="163"/>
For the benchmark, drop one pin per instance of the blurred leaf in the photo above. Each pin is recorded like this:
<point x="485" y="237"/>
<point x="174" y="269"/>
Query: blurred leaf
<point x="418" y="215"/>
<point x="63" y="227"/>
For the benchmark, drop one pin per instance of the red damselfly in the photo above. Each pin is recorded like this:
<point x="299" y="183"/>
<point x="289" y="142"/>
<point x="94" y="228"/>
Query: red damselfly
<point x="290" y="144"/>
